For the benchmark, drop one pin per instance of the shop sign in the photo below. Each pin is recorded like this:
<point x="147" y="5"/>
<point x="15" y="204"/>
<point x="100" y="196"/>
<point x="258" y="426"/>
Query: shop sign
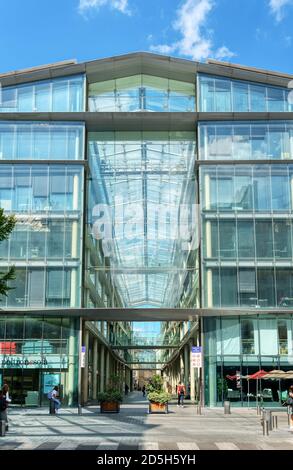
<point x="33" y="362"/>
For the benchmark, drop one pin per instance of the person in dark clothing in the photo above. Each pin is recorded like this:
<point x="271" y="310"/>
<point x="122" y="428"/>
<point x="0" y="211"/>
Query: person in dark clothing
<point x="143" y="391"/>
<point x="126" y="389"/>
<point x="3" y="409"/>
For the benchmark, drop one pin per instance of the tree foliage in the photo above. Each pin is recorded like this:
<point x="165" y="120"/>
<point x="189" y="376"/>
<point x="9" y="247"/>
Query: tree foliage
<point x="7" y="224"/>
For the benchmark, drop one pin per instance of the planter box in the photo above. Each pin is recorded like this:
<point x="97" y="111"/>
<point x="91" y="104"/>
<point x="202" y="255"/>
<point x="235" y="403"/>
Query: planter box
<point x="110" y="407"/>
<point x="158" y="408"/>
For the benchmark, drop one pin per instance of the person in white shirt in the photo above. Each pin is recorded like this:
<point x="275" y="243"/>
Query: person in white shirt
<point x="54" y="395"/>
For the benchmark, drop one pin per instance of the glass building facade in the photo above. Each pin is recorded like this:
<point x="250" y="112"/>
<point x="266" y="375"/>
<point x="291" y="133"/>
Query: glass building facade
<point x="223" y="95"/>
<point x="57" y="95"/>
<point x="119" y="209"/>
<point x="41" y="141"/>
<point x="142" y="93"/>
<point x="146" y="180"/>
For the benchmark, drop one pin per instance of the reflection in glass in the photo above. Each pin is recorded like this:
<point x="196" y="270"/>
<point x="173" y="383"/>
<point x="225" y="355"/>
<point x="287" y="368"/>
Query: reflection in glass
<point x="142" y="93"/>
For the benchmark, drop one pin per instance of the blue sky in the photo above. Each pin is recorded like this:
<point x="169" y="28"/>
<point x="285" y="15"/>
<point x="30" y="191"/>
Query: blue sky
<point x="250" y="32"/>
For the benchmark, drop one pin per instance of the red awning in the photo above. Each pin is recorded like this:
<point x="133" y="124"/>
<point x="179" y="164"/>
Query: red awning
<point x="258" y="375"/>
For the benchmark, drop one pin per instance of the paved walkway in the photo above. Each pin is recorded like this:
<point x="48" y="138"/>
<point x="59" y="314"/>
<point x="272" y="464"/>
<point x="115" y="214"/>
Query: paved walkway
<point x="134" y="428"/>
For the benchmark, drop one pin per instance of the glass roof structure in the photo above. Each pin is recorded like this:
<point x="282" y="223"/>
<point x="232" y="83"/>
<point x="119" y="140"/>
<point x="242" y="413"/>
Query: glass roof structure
<point x="143" y="195"/>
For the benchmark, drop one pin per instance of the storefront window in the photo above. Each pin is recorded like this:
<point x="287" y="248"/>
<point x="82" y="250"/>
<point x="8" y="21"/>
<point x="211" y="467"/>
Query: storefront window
<point x="230" y="375"/>
<point x="33" y="352"/>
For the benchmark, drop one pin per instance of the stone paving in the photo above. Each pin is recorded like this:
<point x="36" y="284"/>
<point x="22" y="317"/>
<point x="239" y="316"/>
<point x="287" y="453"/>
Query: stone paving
<point x="133" y="428"/>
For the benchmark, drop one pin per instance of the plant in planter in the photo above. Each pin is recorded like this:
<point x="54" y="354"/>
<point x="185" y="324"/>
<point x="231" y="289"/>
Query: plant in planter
<point x="158" y="398"/>
<point x="112" y="397"/>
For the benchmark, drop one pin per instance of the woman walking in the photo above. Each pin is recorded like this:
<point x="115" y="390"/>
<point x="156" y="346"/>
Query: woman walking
<point x="290" y="405"/>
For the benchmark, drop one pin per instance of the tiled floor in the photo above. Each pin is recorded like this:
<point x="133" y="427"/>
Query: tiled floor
<point x="133" y="428"/>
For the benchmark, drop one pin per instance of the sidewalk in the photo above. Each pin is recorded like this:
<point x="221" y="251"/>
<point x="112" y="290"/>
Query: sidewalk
<point x="134" y="428"/>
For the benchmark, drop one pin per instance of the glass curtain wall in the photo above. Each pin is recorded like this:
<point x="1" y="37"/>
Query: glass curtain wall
<point x="247" y="235"/>
<point x="41" y="141"/>
<point x="142" y="93"/>
<point x="246" y="141"/>
<point x="143" y="180"/>
<point x="219" y="94"/>
<point x="236" y="347"/>
<point x="64" y="94"/>
<point x="45" y="246"/>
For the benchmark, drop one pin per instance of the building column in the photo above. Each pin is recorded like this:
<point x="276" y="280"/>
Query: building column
<point x="211" y="343"/>
<point x="208" y="233"/>
<point x="72" y="357"/>
<point x="181" y="365"/>
<point x="95" y="368"/>
<point x="192" y="377"/>
<point x="209" y="288"/>
<point x="186" y="365"/>
<point x="102" y="368"/>
<point x="85" y="378"/>
<point x="107" y="368"/>
<point x="74" y="287"/>
<point x="207" y="194"/>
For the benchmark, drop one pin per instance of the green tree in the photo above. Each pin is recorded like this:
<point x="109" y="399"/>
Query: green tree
<point x="7" y="224"/>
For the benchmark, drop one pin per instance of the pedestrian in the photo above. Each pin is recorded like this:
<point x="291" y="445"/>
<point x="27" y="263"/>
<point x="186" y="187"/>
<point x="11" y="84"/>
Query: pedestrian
<point x="126" y="389"/>
<point x="3" y="409"/>
<point x="290" y="405"/>
<point x="180" y="394"/>
<point x="53" y="396"/>
<point x="143" y="391"/>
<point x="5" y="391"/>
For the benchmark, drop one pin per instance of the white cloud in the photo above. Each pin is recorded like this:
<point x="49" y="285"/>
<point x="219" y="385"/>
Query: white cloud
<point x="277" y="8"/>
<point x="190" y="23"/>
<point x="87" y="5"/>
<point x="223" y="53"/>
<point x="163" y="48"/>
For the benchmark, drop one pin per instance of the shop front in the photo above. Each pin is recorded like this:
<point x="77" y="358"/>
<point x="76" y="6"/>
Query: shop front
<point x="240" y="352"/>
<point x="37" y="353"/>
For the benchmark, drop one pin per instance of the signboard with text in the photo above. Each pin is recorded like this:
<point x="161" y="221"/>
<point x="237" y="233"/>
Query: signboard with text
<point x="19" y="361"/>
<point x="196" y="357"/>
<point x="82" y="356"/>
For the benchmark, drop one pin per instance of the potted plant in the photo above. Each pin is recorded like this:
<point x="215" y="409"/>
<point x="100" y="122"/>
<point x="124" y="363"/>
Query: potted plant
<point x="158" y="398"/>
<point x="112" y="397"/>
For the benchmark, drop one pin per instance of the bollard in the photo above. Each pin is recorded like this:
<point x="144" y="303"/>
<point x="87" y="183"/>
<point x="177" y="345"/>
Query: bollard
<point x="270" y="420"/>
<point x="79" y="409"/>
<point x="227" y="408"/>
<point x="262" y="422"/>
<point x="2" y="428"/>
<point x="276" y="422"/>
<point x="266" y="422"/>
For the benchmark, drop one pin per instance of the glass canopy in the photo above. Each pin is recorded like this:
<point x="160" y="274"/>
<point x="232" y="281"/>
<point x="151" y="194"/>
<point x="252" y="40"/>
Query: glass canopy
<point x="142" y="209"/>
